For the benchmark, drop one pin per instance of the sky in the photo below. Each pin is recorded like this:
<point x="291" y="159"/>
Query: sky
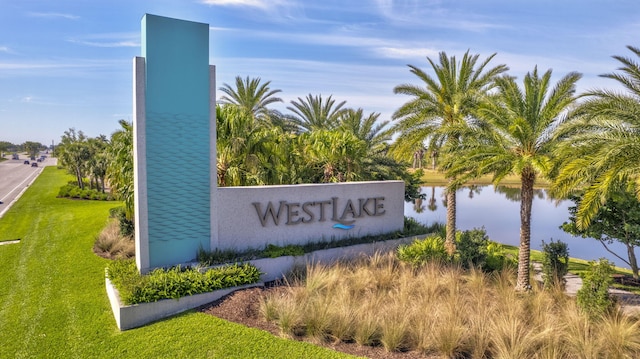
<point x="68" y="64"/>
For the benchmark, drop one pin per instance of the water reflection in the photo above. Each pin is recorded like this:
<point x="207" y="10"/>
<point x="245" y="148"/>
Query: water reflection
<point x="498" y="210"/>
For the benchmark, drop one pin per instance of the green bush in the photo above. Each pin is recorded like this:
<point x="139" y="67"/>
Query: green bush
<point x="555" y="263"/>
<point x="471" y="248"/>
<point x="593" y="298"/>
<point x="71" y="190"/>
<point x="431" y="248"/>
<point x="176" y="282"/>
<point x="497" y="258"/>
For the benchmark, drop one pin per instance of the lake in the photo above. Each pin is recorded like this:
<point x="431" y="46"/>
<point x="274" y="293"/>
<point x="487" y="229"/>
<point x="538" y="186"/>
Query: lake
<point x="498" y="210"/>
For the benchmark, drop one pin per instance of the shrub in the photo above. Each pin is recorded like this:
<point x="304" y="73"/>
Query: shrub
<point x="555" y="263"/>
<point x="175" y="282"/>
<point x="471" y="248"/>
<point x="419" y="252"/>
<point x="593" y="298"/>
<point x="497" y="258"/>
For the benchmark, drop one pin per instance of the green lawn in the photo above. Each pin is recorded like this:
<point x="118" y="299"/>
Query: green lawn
<point x="53" y="302"/>
<point x="436" y="178"/>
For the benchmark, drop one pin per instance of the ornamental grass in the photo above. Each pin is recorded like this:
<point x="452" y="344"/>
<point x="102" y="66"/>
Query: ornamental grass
<point x="445" y="311"/>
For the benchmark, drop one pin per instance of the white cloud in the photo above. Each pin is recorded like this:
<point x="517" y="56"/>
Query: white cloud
<point x="251" y="3"/>
<point x="53" y="15"/>
<point x="5" y="49"/>
<point x="108" y="40"/>
<point x="406" y="53"/>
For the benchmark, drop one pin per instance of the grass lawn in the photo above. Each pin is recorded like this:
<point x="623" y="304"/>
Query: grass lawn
<point x="436" y="178"/>
<point x="53" y="302"/>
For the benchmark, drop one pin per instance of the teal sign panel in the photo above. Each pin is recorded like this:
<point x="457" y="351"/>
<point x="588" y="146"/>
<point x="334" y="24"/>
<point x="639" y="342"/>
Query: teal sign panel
<point x="177" y="108"/>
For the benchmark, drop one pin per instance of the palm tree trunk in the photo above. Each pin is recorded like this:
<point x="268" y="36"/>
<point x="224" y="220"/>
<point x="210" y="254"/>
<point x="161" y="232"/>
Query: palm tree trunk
<point x="450" y="241"/>
<point x="524" y="253"/>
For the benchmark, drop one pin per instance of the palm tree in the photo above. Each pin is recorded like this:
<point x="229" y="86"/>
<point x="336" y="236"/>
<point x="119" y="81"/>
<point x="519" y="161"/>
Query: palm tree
<point x="120" y="167"/>
<point x="251" y="96"/>
<point x="368" y="129"/>
<point x="602" y="145"/>
<point x="441" y="109"/>
<point x="518" y="139"/>
<point x="248" y="152"/>
<point x="314" y="113"/>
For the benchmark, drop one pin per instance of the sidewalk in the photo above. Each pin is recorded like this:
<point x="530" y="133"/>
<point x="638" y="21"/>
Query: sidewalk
<point x="630" y="302"/>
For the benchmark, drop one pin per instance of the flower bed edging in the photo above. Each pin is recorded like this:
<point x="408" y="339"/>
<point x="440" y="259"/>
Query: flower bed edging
<point x="137" y="315"/>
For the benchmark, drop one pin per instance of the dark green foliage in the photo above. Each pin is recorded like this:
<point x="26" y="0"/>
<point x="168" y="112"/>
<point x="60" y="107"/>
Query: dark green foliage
<point x="471" y="248"/>
<point x="175" y="282"/>
<point x="273" y="251"/>
<point x="593" y="298"/>
<point x="618" y="219"/>
<point x="126" y="225"/>
<point x="422" y="251"/>
<point x="555" y="263"/>
<point x="71" y="190"/>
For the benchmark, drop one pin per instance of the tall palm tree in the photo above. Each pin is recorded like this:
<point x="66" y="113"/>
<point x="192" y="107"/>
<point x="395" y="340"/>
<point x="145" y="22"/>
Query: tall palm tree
<point x="518" y="139"/>
<point x="251" y="96"/>
<point x="602" y="145"/>
<point x="440" y="110"/>
<point x="314" y="113"/>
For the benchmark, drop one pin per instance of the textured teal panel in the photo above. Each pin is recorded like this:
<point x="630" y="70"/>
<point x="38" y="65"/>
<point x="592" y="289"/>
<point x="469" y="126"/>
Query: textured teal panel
<point x="177" y="138"/>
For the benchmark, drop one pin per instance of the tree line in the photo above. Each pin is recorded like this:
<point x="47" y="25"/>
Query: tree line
<point x="473" y="116"/>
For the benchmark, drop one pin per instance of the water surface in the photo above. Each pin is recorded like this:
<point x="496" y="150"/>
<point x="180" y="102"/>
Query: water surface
<point x="498" y="210"/>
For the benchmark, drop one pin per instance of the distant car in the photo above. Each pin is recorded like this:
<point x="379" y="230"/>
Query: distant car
<point x="26" y="162"/>
<point x="34" y="164"/>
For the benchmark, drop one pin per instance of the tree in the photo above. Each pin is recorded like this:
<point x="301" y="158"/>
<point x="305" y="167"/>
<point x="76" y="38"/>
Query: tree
<point x="314" y="113"/>
<point x="441" y="110"/>
<point x="6" y="146"/>
<point x="618" y="219"/>
<point x="248" y="151"/>
<point x="32" y="148"/>
<point x="120" y="168"/>
<point x="250" y="96"/>
<point x="516" y="137"/>
<point x="602" y="144"/>
<point x="339" y="154"/>
<point x="73" y="153"/>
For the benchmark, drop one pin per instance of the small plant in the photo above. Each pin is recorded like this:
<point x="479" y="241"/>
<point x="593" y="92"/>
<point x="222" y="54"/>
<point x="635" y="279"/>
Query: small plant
<point x="555" y="263"/>
<point x="422" y="251"/>
<point x="593" y="298"/>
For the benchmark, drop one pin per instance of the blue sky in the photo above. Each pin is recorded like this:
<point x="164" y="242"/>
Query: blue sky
<point x="67" y="64"/>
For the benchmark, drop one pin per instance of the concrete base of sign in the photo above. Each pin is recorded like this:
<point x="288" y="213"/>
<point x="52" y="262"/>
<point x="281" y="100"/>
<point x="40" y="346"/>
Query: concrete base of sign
<point x="133" y="316"/>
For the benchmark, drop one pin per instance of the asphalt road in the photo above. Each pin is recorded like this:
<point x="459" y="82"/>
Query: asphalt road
<point x="15" y="177"/>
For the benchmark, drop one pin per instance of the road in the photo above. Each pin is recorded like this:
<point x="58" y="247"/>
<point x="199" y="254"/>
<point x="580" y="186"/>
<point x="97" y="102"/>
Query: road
<point x="15" y="177"/>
